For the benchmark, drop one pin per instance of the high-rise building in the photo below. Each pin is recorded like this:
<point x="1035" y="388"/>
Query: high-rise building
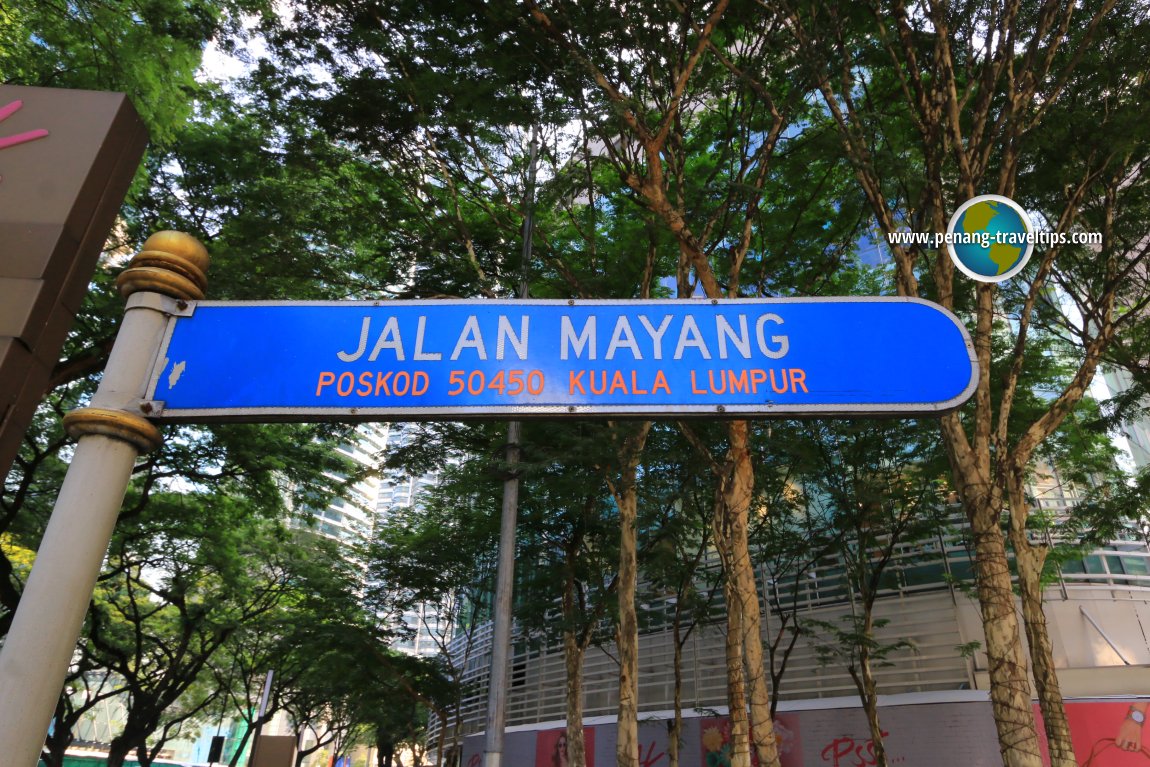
<point x="353" y="516"/>
<point x="1133" y="438"/>
<point x="426" y="632"/>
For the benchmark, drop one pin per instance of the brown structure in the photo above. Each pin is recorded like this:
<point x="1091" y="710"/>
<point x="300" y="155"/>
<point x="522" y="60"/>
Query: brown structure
<point x="67" y="158"/>
<point x="274" y="751"/>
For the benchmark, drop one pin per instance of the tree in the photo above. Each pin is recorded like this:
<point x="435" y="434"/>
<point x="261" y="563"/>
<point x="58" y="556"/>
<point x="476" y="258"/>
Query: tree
<point x="151" y="52"/>
<point x="880" y="486"/>
<point x="394" y="703"/>
<point x="671" y="110"/>
<point x="179" y="584"/>
<point x="440" y="553"/>
<point x="789" y="543"/>
<point x="200" y="176"/>
<point x="669" y="81"/>
<point x="442" y="550"/>
<point x="571" y="520"/>
<point x="321" y="598"/>
<point x="931" y="110"/>
<point x="677" y="499"/>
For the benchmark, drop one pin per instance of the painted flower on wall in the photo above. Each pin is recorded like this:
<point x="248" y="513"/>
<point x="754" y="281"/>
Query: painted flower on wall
<point x="717" y="744"/>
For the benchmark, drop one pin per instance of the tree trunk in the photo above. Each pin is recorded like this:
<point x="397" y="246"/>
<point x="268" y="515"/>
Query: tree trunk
<point x="573" y="658"/>
<point x="131" y="737"/>
<point x="456" y="729"/>
<point x="868" y="689"/>
<point x="870" y="704"/>
<point x="1029" y="562"/>
<point x="575" y="639"/>
<point x="51" y="755"/>
<point x="737" y="495"/>
<point x="627" y="640"/>
<point x="117" y="752"/>
<point x="627" y="633"/>
<point x="457" y="701"/>
<point x="736" y="685"/>
<point x="441" y="739"/>
<point x="677" y="722"/>
<point x="59" y="739"/>
<point x="235" y="760"/>
<point x="1009" y="686"/>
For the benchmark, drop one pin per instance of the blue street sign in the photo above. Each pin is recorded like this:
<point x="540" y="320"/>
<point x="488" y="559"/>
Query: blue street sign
<point x="456" y="359"/>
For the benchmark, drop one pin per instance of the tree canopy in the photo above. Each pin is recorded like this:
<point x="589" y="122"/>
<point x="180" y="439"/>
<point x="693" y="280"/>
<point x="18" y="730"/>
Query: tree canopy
<point x="382" y="150"/>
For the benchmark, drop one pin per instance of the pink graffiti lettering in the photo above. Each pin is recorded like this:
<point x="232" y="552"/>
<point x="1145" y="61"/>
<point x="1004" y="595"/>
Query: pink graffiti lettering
<point x="474" y="761"/>
<point x="20" y="138"/>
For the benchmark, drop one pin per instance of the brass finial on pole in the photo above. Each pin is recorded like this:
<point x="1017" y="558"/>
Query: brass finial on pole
<point x="111" y="433"/>
<point x="170" y="263"/>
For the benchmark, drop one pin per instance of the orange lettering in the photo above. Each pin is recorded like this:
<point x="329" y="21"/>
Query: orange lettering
<point x="775" y="388"/>
<point x="405" y="377"/>
<point x="635" y="384"/>
<point x="618" y="383"/>
<point x="757" y="377"/>
<point x="694" y="387"/>
<point x="799" y="378"/>
<point x="575" y="381"/>
<point x="326" y="378"/>
<point x="420" y="378"/>
<point x="660" y="382"/>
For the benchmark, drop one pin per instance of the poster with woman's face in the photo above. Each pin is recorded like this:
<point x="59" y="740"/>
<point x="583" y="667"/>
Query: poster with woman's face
<point x="551" y="747"/>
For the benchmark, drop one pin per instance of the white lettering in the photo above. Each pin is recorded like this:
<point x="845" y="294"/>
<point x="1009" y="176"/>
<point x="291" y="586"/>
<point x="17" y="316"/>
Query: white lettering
<point x="587" y="336"/>
<point x="656" y="335"/>
<point x="689" y="335"/>
<point x="742" y="341"/>
<point x="420" y="354"/>
<point x="782" y="341"/>
<point x="506" y="334"/>
<point x="470" y="338"/>
<point x="623" y="337"/>
<point x="362" y="343"/>
<point x="388" y="339"/>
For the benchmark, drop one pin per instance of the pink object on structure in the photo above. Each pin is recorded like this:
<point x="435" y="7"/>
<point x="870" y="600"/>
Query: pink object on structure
<point x="20" y="138"/>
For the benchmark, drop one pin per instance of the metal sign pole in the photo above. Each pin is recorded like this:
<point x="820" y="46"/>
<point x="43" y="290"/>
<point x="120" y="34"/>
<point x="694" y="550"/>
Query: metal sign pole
<point x="505" y="573"/>
<point x="501" y="630"/>
<point x="260" y="719"/>
<point x="40" y="644"/>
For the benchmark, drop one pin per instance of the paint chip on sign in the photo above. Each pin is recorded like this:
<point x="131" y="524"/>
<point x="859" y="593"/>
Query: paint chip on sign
<point x="174" y="376"/>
